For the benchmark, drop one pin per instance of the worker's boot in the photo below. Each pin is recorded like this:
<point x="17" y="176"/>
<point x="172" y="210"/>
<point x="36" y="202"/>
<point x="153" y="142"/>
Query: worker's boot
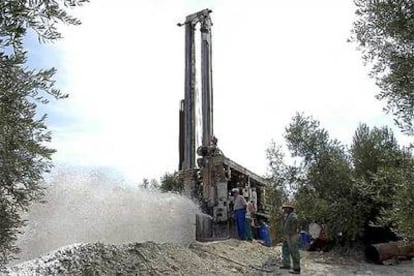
<point x="284" y="267"/>
<point x="295" y="271"/>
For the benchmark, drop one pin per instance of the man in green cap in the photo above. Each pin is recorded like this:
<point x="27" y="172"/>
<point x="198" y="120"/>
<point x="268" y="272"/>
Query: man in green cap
<point x="290" y="247"/>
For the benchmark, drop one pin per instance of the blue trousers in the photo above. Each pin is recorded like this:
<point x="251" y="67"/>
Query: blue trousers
<point x="240" y="216"/>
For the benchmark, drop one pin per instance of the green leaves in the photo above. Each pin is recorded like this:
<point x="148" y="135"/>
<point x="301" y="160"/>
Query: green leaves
<point x="41" y="16"/>
<point x="384" y="31"/>
<point x="171" y="183"/>
<point x="24" y="154"/>
<point x="347" y="190"/>
<point x="399" y="215"/>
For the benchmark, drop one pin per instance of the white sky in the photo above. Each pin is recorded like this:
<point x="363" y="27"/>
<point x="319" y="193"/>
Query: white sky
<point x="124" y="69"/>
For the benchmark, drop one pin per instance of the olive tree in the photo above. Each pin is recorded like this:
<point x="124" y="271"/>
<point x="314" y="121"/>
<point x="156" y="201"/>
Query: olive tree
<point x="384" y="31"/>
<point x="24" y="152"/>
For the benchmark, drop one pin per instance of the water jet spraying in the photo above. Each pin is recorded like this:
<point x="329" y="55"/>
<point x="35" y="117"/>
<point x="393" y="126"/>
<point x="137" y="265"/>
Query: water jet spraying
<point x="94" y="207"/>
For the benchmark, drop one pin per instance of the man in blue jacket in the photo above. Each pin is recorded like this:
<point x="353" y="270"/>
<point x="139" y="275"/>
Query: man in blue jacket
<point x="240" y="205"/>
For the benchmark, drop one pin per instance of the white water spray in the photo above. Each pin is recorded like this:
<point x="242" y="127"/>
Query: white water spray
<point x="93" y="207"/>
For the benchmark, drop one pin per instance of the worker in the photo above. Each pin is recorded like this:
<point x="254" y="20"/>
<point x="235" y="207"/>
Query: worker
<point x="250" y="212"/>
<point x="240" y="205"/>
<point x="290" y="247"/>
<point x="321" y="242"/>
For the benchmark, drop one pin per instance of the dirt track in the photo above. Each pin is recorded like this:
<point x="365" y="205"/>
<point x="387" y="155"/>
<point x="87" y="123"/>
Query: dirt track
<point x="322" y="264"/>
<point x="229" y="257"/>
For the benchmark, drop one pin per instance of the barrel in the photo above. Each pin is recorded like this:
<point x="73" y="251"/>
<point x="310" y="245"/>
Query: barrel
<point x="304" y="240"/>
<point x="264" y="234"/>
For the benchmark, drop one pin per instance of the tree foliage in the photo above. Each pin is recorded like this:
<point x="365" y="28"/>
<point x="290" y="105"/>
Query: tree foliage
<point x="24" y="155"/>
<point x="400" y="212"/>
<point x="348" y="190"/>
<point x="376" y="158"/>
<point x="384" y="30"/>
<point x="171" y="183"/>
<point x="40" y="16"/>
<point x="151" y="185"/>
<point x="325" y="190"/>
<point x="278" y="189"/>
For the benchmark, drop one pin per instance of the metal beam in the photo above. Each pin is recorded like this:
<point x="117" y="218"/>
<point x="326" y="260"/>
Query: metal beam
<point x="206" y="85"/>
<point x="195" y="17"/>
<point x="243" y="170"/>
<point x="189" y="99"/>
<point x="181" y="142"/>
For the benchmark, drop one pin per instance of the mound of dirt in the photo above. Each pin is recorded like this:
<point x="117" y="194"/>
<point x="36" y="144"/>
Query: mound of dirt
<point x="230" y="257"/>
<point x="217" y="258"/>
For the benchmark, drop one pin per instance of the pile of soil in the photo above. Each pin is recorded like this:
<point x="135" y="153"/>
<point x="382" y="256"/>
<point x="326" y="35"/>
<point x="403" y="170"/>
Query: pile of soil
<point x="229" y="257"/>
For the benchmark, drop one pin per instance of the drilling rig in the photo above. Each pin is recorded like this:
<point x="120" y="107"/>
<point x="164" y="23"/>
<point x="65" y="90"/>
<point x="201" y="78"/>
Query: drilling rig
<point x="209" y="177"/>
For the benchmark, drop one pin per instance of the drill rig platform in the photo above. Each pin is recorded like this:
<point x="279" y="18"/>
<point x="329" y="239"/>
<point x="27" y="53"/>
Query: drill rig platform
<point x="211" y="177"/>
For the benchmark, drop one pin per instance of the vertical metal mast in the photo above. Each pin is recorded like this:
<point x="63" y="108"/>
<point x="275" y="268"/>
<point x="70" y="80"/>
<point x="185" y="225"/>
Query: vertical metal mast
<point x="209" y="180"/>
<point x="187" y="125"/>
<point x="207" y="87"/>
<point x="189" y="100"/>
<point x="191" y="21"/>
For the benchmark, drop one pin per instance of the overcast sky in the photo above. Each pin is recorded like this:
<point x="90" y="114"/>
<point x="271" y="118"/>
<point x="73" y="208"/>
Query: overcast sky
<point x="124" y="70"/>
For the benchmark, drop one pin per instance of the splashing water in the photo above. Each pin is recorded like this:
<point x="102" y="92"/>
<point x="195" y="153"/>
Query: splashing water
<point x="93" y="207"/>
